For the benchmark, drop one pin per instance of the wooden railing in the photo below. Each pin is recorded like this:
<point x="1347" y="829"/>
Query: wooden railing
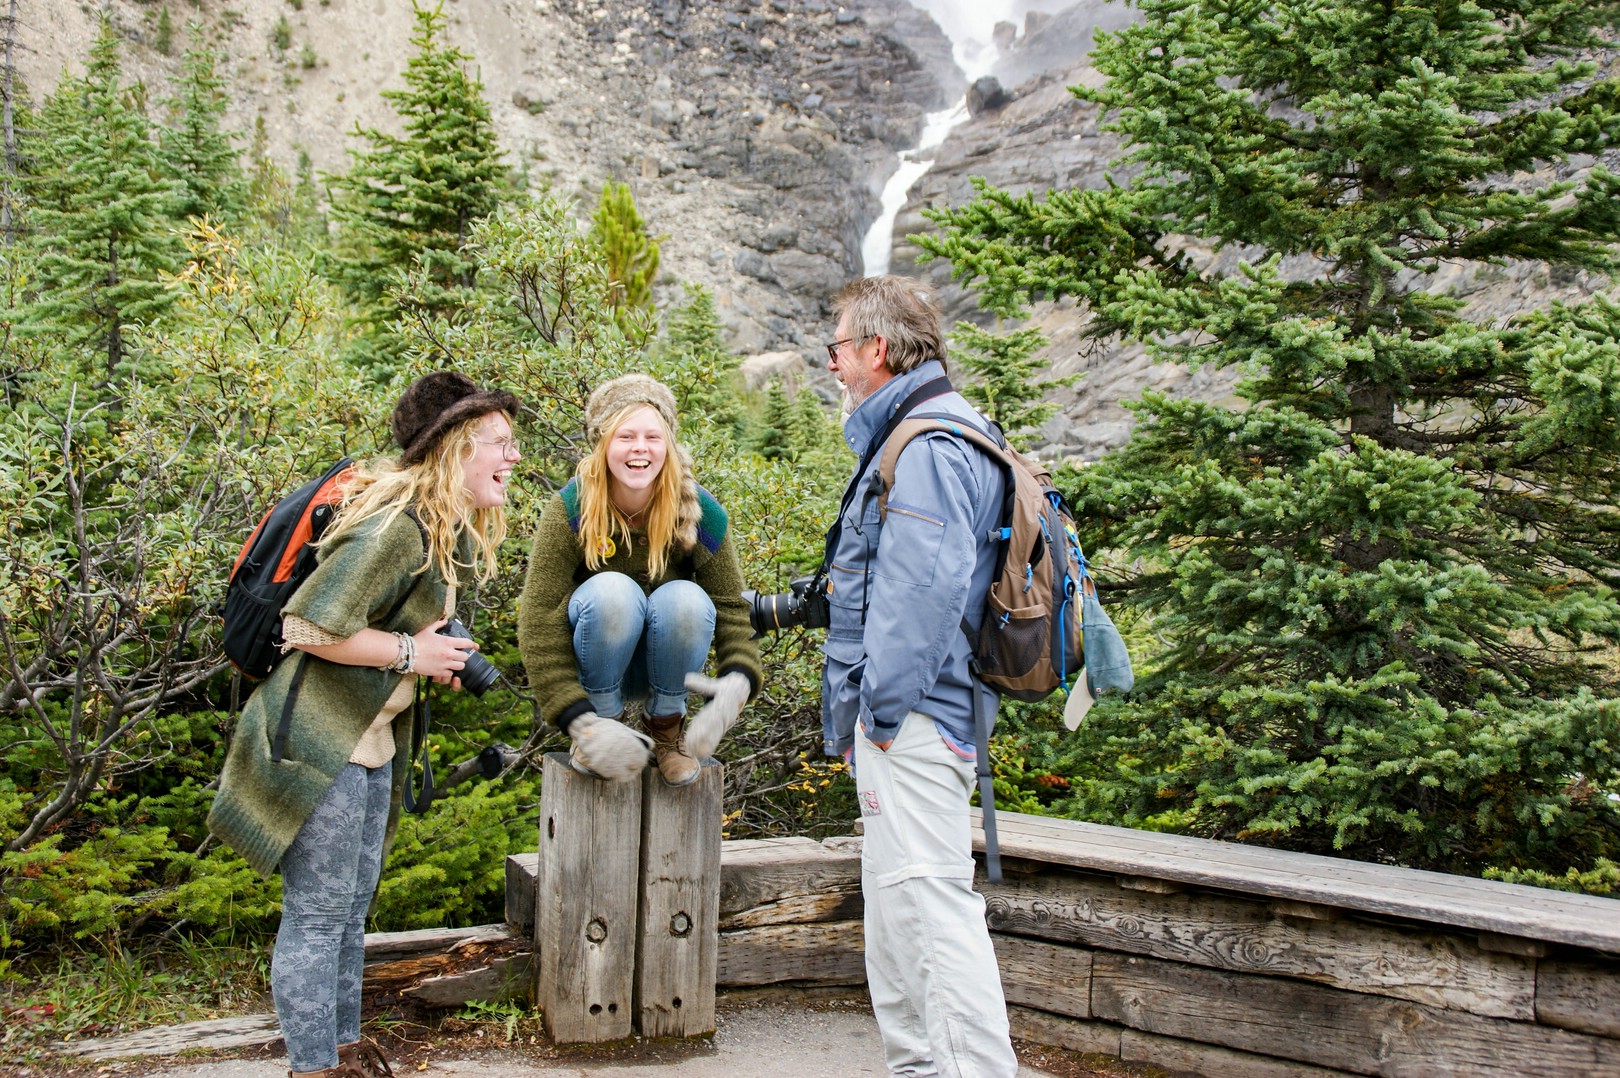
<point x="1200" y="957"/>
<point x="1220" y="959"/>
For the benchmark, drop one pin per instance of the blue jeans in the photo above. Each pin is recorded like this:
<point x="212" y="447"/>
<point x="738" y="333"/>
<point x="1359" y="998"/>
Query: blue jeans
<point x="328" y="876"/>
<point x="634" y="646"/>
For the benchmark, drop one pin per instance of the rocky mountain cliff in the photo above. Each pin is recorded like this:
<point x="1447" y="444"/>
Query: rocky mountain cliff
<point x="756" y="135"/>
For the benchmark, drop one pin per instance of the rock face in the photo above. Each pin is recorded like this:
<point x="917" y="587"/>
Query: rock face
<point x="1040" y="137"/>
<point x="1034" y="135"/>
<point x="756" y="135"/>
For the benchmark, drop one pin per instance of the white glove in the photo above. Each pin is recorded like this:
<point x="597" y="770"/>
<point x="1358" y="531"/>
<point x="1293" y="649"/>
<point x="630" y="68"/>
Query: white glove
<point x="607" y="748"/>
<point x="727" y="694"/>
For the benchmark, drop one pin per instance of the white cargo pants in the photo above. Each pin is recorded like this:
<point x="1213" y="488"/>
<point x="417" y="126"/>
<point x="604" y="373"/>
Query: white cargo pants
<point x="930" y="968"/>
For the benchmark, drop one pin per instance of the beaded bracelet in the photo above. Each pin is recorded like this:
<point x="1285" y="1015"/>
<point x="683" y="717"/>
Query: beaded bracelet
<point x="405" y="659"/>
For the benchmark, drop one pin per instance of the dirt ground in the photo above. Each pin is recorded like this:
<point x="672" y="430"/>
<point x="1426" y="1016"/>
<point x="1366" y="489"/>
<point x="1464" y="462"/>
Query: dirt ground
<point x="504" y="1043"/>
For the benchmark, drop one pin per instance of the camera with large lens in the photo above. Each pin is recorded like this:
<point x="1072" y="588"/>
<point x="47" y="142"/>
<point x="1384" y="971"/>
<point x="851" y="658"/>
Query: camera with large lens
<point x="804" y="603"/>
<point x="479" y="673"/>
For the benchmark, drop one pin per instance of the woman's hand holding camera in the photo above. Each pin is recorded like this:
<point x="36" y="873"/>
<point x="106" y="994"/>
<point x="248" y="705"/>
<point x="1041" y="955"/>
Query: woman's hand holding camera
<point x="442" y="657"/>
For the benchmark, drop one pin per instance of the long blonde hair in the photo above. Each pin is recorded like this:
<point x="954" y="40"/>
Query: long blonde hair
<point x="666" y="524"/>
<point x="436" y="489"/>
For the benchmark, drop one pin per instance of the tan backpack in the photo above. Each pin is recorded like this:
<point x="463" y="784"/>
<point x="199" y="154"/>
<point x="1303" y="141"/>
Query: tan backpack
<point x="1028" y="642"/>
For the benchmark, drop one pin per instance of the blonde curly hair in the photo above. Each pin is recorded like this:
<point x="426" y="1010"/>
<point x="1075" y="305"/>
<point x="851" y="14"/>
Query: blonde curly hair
<point x="435" y="487"/>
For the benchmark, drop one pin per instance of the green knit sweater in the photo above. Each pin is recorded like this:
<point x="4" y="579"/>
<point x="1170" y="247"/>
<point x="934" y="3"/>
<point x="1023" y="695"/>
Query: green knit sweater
<point x="557" y="567"/>
<point x="265" y="794"/>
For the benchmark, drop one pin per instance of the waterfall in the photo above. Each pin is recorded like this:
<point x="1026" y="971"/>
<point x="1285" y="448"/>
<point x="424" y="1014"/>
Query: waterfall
<point x="968" y="24"/>
<point x="875" y="247"/>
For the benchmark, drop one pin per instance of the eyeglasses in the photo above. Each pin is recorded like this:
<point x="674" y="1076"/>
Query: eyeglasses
<point x="834" y="346"/>
<point x="507" y="446"/>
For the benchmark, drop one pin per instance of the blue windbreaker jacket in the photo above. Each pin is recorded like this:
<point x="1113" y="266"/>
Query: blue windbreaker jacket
<point x="900" y="588"/>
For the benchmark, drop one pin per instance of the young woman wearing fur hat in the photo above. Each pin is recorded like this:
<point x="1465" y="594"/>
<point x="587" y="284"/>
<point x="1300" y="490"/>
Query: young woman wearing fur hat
<point x="316" y="770"/>
<point x="633" y="577"/>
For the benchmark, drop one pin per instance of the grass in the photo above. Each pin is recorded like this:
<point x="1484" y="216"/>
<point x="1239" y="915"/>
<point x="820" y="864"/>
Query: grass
<point x="79" y="994"/>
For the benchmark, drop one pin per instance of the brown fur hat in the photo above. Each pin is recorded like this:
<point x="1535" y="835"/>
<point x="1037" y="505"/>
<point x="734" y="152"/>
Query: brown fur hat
<point x="434" y="403"/>
<point x="615" y="396"/>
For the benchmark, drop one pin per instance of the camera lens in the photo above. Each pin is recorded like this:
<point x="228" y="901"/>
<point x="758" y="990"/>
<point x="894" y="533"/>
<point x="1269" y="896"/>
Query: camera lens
<point x="804" y="604"/>
<point x="477" y="673"/>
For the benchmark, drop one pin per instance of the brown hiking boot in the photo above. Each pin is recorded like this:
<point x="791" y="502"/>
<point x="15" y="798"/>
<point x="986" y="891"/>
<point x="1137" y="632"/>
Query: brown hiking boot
<point x="677" y="766"/>
<point x="366" y="1059"/>
<point x="359" y="1060"/>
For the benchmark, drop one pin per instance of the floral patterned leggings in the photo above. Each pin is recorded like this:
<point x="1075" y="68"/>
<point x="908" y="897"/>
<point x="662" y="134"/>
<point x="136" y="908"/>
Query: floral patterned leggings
<point x="328" y="876"/>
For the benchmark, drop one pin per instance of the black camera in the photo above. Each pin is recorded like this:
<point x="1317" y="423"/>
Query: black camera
<point x="804" y="603"/>
<point x="479" y="673"/>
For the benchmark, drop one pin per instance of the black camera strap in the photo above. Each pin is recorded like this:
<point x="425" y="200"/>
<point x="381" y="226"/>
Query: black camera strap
<point x="417" y="801"/>
<point x="934" y="387"/>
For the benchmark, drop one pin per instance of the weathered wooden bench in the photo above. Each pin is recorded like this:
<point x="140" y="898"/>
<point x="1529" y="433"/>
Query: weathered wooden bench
<point x="1221" y="959"/>
<point x="1196" y="956"/>
<point x="1225" y="959"/>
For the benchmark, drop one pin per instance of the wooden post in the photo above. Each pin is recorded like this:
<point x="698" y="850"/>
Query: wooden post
<point x="680" y="905"/>
<point x="585" y="916"/>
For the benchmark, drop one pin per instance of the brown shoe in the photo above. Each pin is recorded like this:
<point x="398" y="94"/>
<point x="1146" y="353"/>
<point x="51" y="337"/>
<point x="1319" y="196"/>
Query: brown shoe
<point x="364" y="1058"/>
<point x="677" y="766"/>
<point x="358" y="1060"/>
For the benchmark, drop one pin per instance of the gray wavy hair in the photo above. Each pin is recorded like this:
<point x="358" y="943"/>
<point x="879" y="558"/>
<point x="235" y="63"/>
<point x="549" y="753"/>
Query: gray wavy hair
<point x="898" y="309"/>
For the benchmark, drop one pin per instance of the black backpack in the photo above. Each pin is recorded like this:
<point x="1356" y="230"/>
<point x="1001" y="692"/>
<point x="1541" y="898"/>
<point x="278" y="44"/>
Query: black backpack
<point x="274" y="561"/>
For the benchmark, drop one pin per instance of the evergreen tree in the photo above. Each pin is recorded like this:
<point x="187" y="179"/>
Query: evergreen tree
<point x="196" y="152"/>
<point x="1004" y="382"/>
<point x="819" y="448"/>
<point x="695" y="362"/>
<point x="412" y="200"/>
<point x="631" y="254"/>
<point x="15" y="115"/>
<point x="163" y="39"/>
<point x="104" y="232"/>
<point x="1384" y="581"/>
<point x="772" y="441"/>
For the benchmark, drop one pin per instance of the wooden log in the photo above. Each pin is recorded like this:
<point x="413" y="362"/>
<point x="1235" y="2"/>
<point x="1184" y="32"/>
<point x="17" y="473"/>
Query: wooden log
<point x="1231" y="933"/>
<point x="1168" y="1053"/>
<point x="392" y="946"/>
<point x="758" y="872"/>
<point x="1044" y="975"/>
<point x="496" y="981"/>
<point x="522" y="890"/>
<point x="469" y="964"/>
<point x="1190" y="1057"/>
<point x="1075" y="1035"/>
<point x="824" y="954"/>
<point x="678" y="930"/>
<point x="214" y="1033"/>
<point x="585" y="932"/>
<point x="1582" y="996"/>
<point x="1509" y="909"/>
<point x="1274" y="1016"/>
<point x="799" y="909"/>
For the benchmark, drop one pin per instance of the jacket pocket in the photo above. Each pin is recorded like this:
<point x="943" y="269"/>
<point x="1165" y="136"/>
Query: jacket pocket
<point x="912" y="538"/>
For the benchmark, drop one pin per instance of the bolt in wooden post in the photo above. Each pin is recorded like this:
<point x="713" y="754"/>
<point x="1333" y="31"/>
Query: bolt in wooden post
<point x="680" y="905"/>
<point x="585" y="915"/>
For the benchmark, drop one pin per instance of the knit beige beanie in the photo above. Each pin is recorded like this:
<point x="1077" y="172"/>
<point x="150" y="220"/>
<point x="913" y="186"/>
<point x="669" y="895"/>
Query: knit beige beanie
<point x="615" y="396"/>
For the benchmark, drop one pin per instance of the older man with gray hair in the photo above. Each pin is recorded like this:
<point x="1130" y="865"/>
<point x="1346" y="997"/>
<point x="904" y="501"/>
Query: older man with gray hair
<point x="897" y="691"/>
